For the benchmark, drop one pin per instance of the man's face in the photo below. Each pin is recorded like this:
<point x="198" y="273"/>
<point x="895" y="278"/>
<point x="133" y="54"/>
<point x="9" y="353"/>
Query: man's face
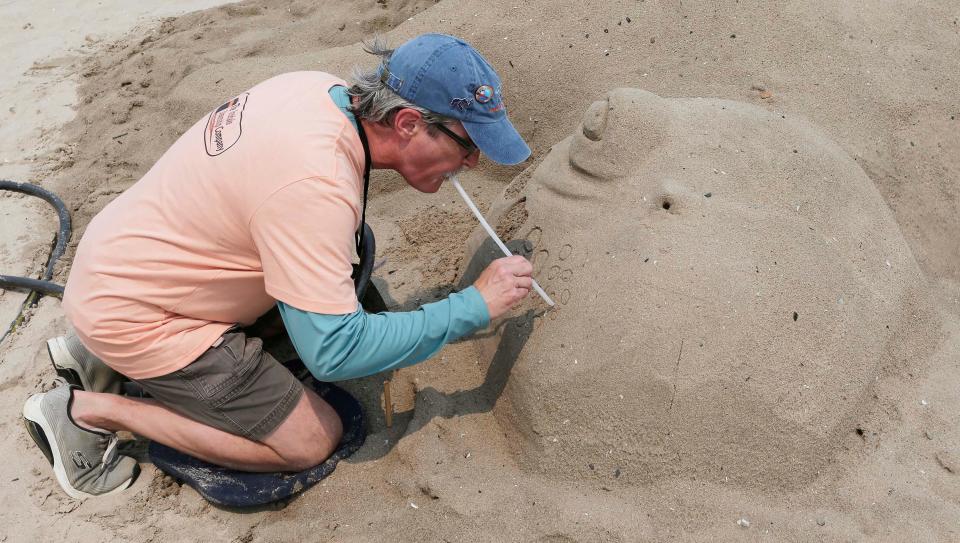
<point x="428" y="158"/>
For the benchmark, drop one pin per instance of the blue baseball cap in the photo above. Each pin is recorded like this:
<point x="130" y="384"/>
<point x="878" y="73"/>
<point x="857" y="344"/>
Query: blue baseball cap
<point x="449" y="77"/>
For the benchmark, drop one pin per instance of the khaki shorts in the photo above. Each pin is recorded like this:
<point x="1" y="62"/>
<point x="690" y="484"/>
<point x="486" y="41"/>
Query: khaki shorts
<point x="234" y="386"/>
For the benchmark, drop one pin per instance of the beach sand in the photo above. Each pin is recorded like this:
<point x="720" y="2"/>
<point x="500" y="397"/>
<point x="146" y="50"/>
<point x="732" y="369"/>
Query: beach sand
<point x="867" y="447"/>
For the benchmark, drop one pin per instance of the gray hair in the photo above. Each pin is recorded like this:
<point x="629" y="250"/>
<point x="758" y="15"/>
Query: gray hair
<point x="377" y="102"/>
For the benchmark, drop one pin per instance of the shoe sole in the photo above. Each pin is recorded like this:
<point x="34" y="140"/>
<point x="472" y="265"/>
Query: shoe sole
<point x="39" y="428"/>
<point x="63" y="362"/>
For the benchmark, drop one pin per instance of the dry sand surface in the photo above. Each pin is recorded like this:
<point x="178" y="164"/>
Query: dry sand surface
<point x="748" y="212"/>
<point x="43" y="43"/>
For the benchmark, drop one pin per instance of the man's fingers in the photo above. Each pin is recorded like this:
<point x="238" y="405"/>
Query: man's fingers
<point x="517" y="265"/>
<point x="504" y="283"/>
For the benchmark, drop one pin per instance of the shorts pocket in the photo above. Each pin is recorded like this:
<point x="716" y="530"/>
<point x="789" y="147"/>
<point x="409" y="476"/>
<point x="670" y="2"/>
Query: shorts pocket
<point x="220" y="370"/>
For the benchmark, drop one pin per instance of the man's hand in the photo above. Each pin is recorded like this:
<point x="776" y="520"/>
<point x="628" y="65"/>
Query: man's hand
<point x="504" y="283"/>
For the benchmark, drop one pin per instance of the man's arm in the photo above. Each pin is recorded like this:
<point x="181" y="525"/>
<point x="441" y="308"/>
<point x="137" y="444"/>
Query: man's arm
<point x="338" y="347"/>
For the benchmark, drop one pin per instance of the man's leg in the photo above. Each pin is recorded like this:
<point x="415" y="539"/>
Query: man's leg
<point x="307" y="437"/>
<point x="234" y="406"/>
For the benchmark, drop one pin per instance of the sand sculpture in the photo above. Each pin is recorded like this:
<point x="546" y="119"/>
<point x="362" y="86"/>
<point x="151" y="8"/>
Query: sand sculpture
<point x="720" y="270"/>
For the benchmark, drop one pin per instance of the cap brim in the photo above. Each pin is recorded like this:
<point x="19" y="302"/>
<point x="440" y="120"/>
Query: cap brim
<point x="498" y="140"/>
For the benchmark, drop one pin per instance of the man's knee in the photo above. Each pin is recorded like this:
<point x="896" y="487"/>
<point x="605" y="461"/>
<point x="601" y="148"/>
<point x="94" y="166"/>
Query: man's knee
<point x="306" y="453"/>
<point x="309" y="435"/>
<point x="306" y="456"/>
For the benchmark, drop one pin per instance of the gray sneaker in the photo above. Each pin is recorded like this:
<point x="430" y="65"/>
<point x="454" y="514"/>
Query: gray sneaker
<point x="85" y="462"/>
<point x="78" y="366"/>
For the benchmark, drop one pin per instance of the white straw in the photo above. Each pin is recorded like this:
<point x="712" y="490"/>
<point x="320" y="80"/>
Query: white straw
<point x="492" y="234"/>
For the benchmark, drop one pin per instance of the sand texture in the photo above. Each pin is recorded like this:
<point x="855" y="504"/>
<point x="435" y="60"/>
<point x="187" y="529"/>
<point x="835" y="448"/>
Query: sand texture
<point x="747" y="212"/>
<point x="734" y="335"/>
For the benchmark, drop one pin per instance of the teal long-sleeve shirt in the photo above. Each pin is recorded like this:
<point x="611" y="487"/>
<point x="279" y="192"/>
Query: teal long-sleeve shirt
<point x="339" y="347"/>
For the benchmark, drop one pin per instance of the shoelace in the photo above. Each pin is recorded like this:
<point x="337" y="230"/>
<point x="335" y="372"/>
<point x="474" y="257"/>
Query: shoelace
<point x="110" y="454"/>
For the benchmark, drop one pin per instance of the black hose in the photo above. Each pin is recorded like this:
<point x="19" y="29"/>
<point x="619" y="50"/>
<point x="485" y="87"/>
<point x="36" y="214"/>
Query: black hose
<point x="42" y="285"/>
<point x="25" y="283"/>
<point x="63" y="235"/>
<point x="368" y="253"/>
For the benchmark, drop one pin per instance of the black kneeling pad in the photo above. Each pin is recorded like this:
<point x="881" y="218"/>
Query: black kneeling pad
<point x="232" y="488"/>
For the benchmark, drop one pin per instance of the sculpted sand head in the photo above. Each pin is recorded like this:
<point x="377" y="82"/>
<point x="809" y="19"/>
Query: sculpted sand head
<point x="719" y="270"/>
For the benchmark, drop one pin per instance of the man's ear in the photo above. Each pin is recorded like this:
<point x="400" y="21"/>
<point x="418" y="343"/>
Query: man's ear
<point x="406" y="122"/>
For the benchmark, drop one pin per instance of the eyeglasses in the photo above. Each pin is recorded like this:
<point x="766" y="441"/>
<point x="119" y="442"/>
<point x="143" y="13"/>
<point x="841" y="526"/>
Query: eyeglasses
<point x="465" y="143"/>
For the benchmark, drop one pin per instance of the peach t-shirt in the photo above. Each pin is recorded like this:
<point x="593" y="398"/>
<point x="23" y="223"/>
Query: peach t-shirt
<point x="257" y="202"/>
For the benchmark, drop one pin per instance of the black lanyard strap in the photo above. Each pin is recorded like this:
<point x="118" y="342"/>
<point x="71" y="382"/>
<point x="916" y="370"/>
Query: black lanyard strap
<point x="366" y="183"/>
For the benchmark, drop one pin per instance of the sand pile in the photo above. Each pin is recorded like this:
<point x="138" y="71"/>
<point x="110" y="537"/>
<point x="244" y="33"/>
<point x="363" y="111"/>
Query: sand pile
<point x="729" y="285"/>
<point x="719" y="421"/>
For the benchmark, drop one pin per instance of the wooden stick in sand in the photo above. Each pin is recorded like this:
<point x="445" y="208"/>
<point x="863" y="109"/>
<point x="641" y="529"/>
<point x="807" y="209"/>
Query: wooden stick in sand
<point x="493" y="235"/>
<point x="387" y="402"/>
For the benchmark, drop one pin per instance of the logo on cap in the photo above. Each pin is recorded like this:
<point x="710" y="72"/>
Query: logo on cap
<point x="483" y="94"/>
<point x="461" y="103"/>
